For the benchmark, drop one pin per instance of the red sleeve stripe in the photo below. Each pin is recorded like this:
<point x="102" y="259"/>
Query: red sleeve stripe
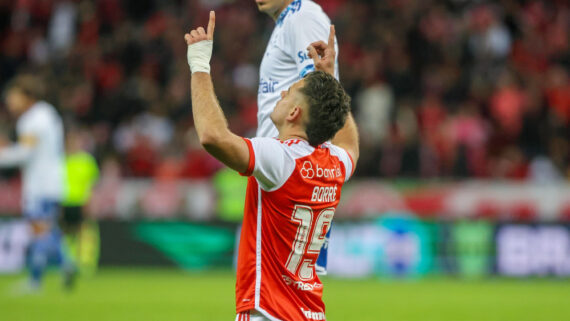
<point x="251" y="163"/>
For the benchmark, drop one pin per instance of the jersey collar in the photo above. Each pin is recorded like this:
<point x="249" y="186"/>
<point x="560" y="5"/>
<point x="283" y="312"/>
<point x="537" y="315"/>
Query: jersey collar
<point x="292" y="7"/>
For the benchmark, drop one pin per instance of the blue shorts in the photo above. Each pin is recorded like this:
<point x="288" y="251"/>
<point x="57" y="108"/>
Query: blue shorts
<point x="42" y="210"/>
<point x="321" y="264"/>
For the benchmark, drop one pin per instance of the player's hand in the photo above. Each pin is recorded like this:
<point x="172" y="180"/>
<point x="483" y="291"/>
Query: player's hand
<point x="200" y="34"/>
<point x="200" y="43"/>
<point x="324" y="54"/>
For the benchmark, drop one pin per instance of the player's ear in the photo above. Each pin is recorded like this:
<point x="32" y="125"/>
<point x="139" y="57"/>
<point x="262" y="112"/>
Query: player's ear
<point x="295" y="113"/>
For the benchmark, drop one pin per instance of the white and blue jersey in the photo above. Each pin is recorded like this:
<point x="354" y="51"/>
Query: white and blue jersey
<point x="42" y="172"/>
<point x="286" y="60"/>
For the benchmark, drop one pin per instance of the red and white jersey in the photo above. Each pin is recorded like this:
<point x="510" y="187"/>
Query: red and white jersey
<point x="292" y="193"/>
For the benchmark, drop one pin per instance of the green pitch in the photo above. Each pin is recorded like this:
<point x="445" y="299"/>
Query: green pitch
<point x="145" y="295"/>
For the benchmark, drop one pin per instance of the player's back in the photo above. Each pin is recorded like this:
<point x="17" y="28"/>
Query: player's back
<point x="285" y="60"/>
<point x="290" y="203"/>
<point x="43" y="172"/>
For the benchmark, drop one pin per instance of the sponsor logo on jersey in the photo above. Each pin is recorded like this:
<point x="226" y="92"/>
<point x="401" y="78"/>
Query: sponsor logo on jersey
<point x="302" y="56"/>
<point x="311" y="315"/>
<point x="267" y="86"/>
<point x="308" y="171"/>
<point x="301" y="285"/>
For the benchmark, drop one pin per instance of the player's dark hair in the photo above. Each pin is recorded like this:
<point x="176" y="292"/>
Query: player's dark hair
<point x="30" y="85"/>
<point x="329" y="106"/>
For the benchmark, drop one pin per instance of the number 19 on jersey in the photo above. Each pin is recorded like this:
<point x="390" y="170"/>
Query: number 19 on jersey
<point x="303" y="215"/>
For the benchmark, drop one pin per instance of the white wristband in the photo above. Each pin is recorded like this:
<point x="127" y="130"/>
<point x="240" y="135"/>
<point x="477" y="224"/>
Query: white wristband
<point x="199" y="55"/>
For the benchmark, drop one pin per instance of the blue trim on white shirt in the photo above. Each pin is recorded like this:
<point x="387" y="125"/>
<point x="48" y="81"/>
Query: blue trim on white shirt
<point x="292" y="7"/>
<point x="308" y="69"/>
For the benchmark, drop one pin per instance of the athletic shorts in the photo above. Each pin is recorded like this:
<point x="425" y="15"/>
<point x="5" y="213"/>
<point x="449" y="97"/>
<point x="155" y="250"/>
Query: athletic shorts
<point x="251" y="315"/>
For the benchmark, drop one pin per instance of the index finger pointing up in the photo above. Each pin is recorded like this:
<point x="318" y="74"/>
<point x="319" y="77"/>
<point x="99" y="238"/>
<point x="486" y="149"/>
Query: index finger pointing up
<point x="331" y="37"/>
<point x="211" y="25"/>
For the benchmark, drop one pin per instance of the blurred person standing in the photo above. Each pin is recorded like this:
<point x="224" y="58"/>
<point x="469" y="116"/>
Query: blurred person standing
<point x="82" y="172"/>
<point x="40" y="153"/>
<point x="231" y="190"/>
<point x="298" y="23"/>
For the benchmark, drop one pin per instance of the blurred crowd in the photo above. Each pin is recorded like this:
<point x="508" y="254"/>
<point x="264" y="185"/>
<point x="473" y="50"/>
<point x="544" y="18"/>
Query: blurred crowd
<point x="453" y="89"/>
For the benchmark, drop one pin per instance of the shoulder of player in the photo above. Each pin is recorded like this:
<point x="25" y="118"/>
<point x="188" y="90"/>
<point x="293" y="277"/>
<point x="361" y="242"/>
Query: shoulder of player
<point x="296" y="148"/>
<point x="42" y="110"/>
<point x="39" y="114"/>
<point x="307" y="11"/>
<point x="31" y="115"/>
<point x="334" y="149"/>
<point x="268" y="145"/>
<point x="291" y="148"/>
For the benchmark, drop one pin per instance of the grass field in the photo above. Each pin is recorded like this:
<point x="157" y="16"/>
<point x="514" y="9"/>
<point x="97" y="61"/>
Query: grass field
<point x="145" y="295"/>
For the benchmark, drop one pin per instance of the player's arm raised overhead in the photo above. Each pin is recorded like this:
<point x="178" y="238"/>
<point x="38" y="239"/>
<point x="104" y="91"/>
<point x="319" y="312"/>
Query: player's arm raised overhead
<point x="209" y="120"/>
<point x="323" y="55"/>
<point x="347" y="138"/>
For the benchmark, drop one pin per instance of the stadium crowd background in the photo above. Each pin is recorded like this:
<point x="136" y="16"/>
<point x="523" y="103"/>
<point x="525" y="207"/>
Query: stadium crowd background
<point x="452" y="88"/>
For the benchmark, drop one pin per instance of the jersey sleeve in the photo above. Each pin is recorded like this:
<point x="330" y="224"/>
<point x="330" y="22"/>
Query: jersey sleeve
<point x="345" y="159"/>
<point x="306" y="28"/>
<point x="269" y="162"/>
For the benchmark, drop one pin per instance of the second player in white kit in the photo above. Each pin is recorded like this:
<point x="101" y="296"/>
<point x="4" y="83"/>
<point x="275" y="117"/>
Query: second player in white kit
<point x="39" y="152"/>
<point x="285" y="60"/>
<point x="43" y="171"/>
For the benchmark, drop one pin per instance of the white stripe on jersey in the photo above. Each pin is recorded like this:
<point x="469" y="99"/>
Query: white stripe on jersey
<point x="258" y="250"/>
<point x="258" y="259"/>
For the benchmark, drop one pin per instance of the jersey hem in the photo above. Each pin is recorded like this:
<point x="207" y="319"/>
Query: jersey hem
<point x="265" y="313"/>
<point x="246" y="307"/>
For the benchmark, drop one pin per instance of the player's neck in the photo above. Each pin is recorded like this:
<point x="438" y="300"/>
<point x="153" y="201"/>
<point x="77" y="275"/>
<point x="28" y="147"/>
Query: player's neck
<point x="292" y="134"/>
<point x="29" y="104"/>
<point x="277" y="13"/>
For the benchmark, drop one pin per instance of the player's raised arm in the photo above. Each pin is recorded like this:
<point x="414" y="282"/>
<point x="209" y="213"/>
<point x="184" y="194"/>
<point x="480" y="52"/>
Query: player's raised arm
<point x="323" y="55"/>
<point x="209" y="120"/>
<point x="347" y="138"/>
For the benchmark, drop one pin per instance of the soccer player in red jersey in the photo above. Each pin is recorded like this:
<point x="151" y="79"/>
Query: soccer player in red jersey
<point x="294" y="184"/>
